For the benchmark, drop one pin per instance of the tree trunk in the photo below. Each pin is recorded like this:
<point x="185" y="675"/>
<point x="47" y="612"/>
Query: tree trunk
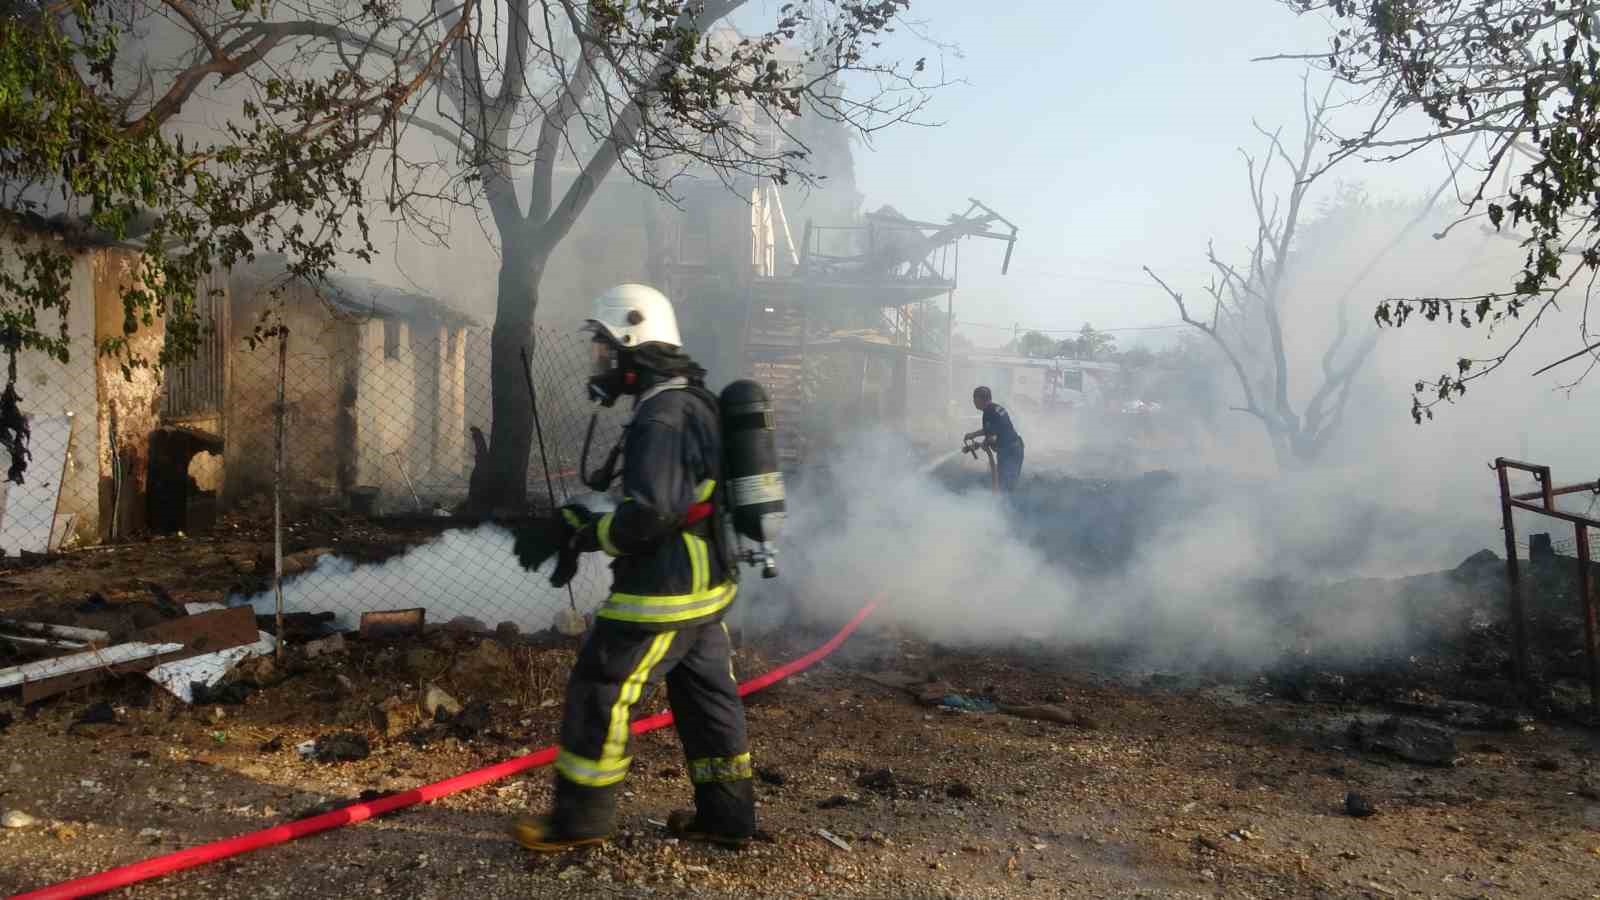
<point x="504" y="486"/>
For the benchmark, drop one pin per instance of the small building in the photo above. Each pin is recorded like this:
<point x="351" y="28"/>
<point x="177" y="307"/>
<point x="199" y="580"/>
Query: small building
<point x="374" y="380"/>
<point x="374" y="389"/>
<point x="1039" y="384"/>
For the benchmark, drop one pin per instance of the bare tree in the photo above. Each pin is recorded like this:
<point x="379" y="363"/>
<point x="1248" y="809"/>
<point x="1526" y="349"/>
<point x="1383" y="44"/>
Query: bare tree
<point x="654" y="90"/>
<point x="1250" y="302"/>
<point x="1507" y="88"/>
<point x="340" y="105"/>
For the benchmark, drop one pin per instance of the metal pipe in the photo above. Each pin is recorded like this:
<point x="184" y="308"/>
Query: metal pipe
<point x="1564" y="516"/>
<point x="401" y="465"/>
<point x="277" y="485"/>
<point x="1518" y="464"/>
<point x="1591" y="627"/>
<point x="1590" y="487"/>
<point x="1513" y="577"/>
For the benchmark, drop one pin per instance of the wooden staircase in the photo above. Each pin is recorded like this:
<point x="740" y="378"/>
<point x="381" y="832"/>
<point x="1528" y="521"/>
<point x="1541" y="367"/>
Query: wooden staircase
<point x="774" y="357"/>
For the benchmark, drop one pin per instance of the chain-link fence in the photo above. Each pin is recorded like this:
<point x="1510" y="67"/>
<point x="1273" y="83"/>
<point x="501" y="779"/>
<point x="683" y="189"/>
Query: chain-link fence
<point x="55" y="504"/>
<point x="387" y="425"/>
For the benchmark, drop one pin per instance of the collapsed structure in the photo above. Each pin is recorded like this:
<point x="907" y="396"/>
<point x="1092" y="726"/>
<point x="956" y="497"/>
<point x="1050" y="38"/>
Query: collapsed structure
<point x="844" y="323"/>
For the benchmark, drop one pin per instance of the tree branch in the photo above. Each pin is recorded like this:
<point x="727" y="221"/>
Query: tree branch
<point x="689" y="26"/>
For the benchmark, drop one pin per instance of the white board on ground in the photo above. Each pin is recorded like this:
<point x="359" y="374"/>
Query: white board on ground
<point x="180" y="676"/>
<point x="30" y="510"/>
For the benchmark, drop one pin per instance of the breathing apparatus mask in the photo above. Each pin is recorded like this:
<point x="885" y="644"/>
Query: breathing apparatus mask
<point x="607" y="378"/>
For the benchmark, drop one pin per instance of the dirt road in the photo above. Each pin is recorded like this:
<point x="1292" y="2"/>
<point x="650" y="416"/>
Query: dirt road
<point x="1207" y="791"/>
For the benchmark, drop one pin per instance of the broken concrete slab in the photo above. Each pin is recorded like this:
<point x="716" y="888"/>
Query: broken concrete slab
<point x="436" y="701"/>
<point x="331" y="645"/>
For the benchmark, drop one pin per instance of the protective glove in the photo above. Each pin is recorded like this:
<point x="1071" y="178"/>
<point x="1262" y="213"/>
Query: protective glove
<point x="578" y="524"/>
<point x="539" y="540"/>
<point x="566" y="567"/>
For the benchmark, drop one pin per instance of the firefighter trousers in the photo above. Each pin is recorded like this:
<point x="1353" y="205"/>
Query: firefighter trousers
<point x="615" y="667"/>
<point x="1010" y="467"/>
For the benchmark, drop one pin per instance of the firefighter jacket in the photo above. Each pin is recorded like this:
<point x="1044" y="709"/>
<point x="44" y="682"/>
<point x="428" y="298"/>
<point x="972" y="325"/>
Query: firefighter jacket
<point x="997" y="424"/>
<point x="667" y="574"/>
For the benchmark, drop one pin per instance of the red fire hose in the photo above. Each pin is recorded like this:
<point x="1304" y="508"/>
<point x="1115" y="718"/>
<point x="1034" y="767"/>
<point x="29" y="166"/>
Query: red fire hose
<point x="122" y="876"/>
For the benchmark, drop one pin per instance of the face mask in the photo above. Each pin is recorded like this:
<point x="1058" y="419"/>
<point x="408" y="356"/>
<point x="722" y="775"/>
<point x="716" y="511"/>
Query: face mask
<point x="605" y="379"/>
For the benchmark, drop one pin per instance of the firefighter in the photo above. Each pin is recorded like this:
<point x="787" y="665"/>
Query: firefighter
<point x="999" y="432"/>
<point x="672" y="583"/>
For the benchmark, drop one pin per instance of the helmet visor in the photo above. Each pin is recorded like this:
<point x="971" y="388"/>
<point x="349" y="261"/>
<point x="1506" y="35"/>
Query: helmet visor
<point x="602" y="356"/>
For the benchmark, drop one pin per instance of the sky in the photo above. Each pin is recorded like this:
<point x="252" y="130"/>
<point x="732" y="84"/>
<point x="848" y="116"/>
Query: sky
<point x="1110" y="134"/>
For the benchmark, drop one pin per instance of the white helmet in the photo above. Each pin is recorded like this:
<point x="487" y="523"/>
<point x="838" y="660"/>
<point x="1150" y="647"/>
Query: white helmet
<point x="635" y="314"/>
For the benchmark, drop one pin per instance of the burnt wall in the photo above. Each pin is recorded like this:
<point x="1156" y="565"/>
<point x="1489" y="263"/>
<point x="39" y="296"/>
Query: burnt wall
<point x="129" y="399"/>
<point x="318" y="394"/>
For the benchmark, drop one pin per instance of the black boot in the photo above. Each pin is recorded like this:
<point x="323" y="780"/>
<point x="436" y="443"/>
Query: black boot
<point x="581" y="816"/>
<point x="725" y="813"/>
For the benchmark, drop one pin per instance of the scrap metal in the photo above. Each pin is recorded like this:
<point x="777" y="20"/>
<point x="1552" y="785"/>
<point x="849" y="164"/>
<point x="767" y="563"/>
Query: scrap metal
<point x="1543" y="502"/>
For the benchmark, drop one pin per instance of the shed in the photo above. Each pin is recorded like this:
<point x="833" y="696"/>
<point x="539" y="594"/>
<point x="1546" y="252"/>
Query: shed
<point x="374" y="394"/>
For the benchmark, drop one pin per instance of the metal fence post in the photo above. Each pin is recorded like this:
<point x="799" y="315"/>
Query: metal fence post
<point x="1590" y="626"/>
<point x="1519" y="634"/>
<point x="277" y="483"/>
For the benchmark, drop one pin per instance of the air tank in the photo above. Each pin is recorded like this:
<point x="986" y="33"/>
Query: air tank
<point x="750" y="467"/>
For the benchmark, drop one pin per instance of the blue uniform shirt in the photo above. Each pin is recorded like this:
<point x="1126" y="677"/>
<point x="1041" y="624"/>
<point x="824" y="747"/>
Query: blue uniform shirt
<point x="997" y="422"/>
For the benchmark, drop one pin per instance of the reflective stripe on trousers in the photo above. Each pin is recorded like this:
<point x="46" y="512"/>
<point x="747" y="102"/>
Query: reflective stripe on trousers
<point x="715" y="769"/>
<point x="612" y="765"/>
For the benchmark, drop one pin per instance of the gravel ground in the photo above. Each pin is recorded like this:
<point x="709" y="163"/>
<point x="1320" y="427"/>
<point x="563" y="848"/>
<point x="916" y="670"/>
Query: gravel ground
<point x="1203" y="791"/>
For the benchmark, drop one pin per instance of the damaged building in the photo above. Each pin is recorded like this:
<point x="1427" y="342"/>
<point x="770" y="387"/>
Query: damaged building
<point x="844" y="322"/>
<point x="374" y="395"/>
<point x="374" y="379"/>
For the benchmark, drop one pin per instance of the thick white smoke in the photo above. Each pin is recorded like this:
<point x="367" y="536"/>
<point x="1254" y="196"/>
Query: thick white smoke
<point x="1200" y="569"/>
<point x="462" y="573"/>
